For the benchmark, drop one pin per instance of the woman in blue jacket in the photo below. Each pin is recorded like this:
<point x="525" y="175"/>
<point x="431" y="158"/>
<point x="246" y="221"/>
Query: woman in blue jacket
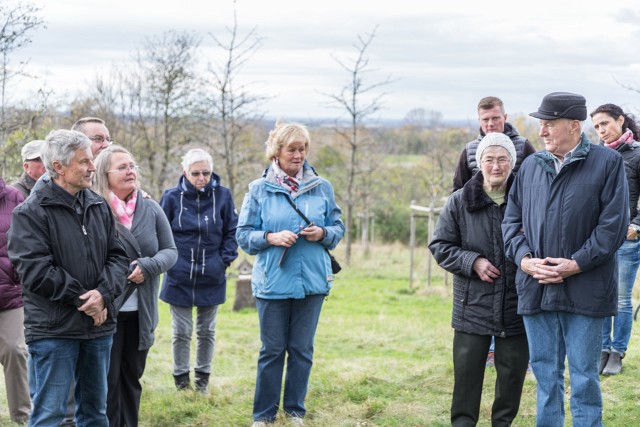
<point x="292" y="272"/>
<point x="203" y="220"/>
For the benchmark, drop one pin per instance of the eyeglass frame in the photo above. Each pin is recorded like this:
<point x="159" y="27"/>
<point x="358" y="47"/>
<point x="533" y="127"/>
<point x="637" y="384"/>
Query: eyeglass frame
<point x="125" y="168"/>
<point x="500" y="161"/>
<point x="196" y="174"/>
<point x="101" y="139"/>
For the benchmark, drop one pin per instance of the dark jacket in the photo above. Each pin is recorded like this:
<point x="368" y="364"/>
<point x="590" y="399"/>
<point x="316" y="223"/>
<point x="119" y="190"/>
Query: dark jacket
<point x="150" y="242"/>
<point x="631" y="156"/>
<point x="204" y="227"/>
<point x="10" y="290"/>
<point x="59" y="256"/>
<point x="24" y="184"/>
<point x="580" y="213"/>
<point x="467" y="165"/>
<point x="468" y="228"/>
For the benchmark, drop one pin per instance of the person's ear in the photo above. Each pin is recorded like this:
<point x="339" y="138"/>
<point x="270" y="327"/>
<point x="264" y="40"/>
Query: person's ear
<point x="58" y="167"/>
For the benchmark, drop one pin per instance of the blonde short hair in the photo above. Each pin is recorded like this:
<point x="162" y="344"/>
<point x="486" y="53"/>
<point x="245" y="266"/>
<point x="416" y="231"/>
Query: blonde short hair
<point x="284" y="134"/>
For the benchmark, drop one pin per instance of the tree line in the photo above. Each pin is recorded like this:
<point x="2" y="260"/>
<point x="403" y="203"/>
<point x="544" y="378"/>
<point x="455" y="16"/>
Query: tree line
<point x="175" y="96"/>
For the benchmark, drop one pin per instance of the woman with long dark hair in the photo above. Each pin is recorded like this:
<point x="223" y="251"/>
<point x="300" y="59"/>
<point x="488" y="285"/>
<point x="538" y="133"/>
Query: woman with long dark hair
<point x="618" y="130"/>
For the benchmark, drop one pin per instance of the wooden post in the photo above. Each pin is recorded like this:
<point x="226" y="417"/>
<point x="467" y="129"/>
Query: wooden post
<point x="412" y="242"/>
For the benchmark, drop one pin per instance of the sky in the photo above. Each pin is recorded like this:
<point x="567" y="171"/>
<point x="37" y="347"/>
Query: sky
<point x="439" y="56"/>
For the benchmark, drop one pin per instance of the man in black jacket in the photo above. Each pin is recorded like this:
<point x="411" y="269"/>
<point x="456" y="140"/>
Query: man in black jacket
<point x="72" y="267"/>
<point x="492" y="118"/>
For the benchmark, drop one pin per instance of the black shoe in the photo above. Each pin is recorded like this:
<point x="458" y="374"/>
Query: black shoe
<point x="183" y="382"/>
<point x="202" y="382"/>
<point x="614" y="364"/>
<point x="604" y="357"/>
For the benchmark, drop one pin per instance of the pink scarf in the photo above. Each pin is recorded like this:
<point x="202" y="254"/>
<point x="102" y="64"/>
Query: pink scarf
<point x="626" y="138"/>
<point x="289" y="183"/>
<point x="124" y="210"/>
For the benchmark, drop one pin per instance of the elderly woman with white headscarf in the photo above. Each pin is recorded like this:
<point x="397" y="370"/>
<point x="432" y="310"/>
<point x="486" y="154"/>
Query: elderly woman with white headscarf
<point x="468" y="243"/>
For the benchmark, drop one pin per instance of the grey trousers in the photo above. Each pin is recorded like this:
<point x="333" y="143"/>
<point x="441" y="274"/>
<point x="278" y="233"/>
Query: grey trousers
<point x="13" y="356"/>
<point x="182" y="323"/>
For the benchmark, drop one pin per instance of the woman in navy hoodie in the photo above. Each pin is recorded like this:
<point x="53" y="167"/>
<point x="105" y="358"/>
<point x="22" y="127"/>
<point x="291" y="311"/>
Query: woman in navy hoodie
<point x="203" y="219"/>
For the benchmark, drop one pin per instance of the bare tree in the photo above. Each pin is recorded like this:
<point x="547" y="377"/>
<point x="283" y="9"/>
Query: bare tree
<point x="231" y="106"/>
<point x="16" y="24"/>
<point x="358" y="100"/>
<point x="161" y="99"/>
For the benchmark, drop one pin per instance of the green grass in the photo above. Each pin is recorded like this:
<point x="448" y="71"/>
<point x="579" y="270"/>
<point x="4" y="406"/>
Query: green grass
<point x="382" y="358"/>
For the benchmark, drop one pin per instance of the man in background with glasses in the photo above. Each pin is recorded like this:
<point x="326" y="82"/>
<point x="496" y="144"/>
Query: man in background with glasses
<point x="97" y="132"/>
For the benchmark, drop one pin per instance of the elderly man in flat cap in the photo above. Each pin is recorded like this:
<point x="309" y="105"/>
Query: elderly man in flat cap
<point x="32" y="166"/>
<point x="566" y="216"/>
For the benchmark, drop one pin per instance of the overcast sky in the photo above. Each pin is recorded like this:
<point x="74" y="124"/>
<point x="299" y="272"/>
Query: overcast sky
<point x="443" y="56"/>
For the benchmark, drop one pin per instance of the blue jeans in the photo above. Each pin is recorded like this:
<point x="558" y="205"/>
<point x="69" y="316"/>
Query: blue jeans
<point x="628" y="261"/>
<point x="287" y="326"/>
<point x="552" y="336"/>
<point x="55" y="364"/>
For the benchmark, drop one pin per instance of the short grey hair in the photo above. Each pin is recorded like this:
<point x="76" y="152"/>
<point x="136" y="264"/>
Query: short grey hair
<point x="60" y="145"/>
<point x="196" y="155"/>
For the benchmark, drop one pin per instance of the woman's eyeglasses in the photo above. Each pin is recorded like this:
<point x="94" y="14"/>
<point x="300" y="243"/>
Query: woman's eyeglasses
<point x="198" y="173"/>
<point x="125" y="168"/>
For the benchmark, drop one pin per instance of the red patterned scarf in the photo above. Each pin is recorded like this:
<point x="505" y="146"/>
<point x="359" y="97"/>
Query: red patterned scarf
<point x="289" y="183"/>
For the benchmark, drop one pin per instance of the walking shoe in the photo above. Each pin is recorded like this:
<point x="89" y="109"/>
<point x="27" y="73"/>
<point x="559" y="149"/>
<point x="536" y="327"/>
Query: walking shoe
<point x="260" y="424"/>
<point x="297" y="422"/>
<point x="202" y="382"/>
<point x="614" y="364"/>
<point x="604" y="357"/>
<point x="182" y="381"/>
<point x="490" y="361"/>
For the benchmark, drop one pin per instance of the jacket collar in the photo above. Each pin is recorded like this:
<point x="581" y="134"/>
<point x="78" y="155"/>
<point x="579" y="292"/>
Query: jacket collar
<point x="474" y="196"/>
<point x="545" y="159"/>
<point x="47" y="196"/>
<point x="309" y="179"/>
<point x="509" y="130"/>
<point x="187" y="187"/>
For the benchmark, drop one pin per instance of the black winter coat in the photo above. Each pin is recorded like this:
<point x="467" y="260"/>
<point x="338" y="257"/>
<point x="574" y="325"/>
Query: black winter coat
<point x="469" y="227"/>
<point x="59" y="257"/>
<point x="631" y="156"/>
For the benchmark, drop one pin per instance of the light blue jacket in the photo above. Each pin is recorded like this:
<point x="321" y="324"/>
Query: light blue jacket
<point x="306" y="270"/>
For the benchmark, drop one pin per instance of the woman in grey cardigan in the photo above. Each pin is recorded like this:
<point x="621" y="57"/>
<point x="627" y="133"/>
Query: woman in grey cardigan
<point x="146" y="235"/>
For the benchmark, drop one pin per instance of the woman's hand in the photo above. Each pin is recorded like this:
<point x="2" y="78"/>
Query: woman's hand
<point x="284" y="238"/>
<point x="137" y="276"/>
<point x="485" y="270"/>
<point x="313" y="233"/>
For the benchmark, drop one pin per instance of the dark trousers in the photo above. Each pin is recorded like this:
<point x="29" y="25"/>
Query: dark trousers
<point x="125" y="370"/>
<point x="511" y="356"/>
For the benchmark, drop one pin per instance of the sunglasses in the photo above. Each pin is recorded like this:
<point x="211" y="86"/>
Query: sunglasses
<point x="198" y="173"/>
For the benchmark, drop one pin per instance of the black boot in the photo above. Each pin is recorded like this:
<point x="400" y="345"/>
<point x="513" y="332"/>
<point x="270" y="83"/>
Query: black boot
<point x="202" y="382"/>
<point x="183" y="382"/>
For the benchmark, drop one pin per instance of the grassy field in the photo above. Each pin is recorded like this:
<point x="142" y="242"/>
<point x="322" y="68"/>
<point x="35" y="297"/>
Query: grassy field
<point x="382" y="358"/>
